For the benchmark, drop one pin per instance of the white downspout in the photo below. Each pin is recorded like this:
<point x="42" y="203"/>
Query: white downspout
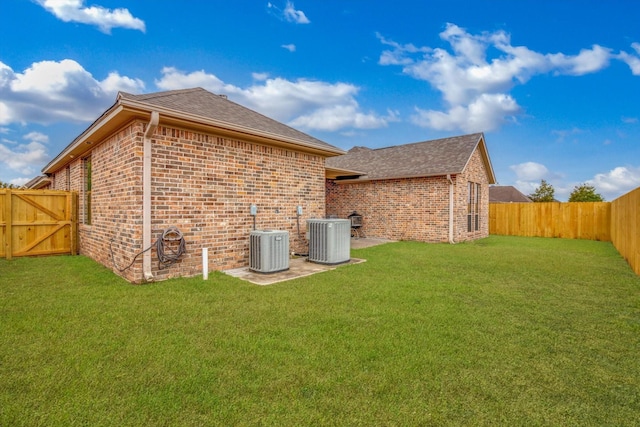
<point x="146" y="195"/>
<point x="450" y="208"/>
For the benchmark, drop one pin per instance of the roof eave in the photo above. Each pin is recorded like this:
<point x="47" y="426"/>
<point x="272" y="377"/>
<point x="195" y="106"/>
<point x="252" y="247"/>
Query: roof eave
<point x="366" y="178"/>
<point x="81" y="144"/>
<point x="126" y="109"/>
<point x="333" y="173"/>
<point x="38" y="182"/>
<point x="168" y="115"/>
<point x="484" y="152"/>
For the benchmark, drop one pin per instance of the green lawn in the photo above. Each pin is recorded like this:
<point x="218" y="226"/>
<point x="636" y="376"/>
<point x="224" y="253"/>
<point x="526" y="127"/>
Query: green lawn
<point x="503" y="331"/>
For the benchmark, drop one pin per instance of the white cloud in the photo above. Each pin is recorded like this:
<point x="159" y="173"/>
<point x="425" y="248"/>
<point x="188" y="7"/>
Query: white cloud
<point x="632" y="60"/>
<point x="37" y="137"/>
<point x="485" y="113"/>
<point x="115" y="83"/>
<point x="397" y="56"/>
<point x="51" y="91"/>
<point x="474" y="81"/>
<point x="259" y="76"/>
<point x="289" y="13"/>
<point x="340" y="117"/>
<point x="629" y="120"/>
<point x="289" y="47"/>
<point x="587" y="61"/>
<point x="617" y="181"/>
<point x="105" y="19"/>
<point x="25" y="158"/>
<point x="293" y="15"/>
<point x="308" y="104"/>
<point x="563" y="134"/>
<point x="530" y="171"/>
<point x="530" y="174"/>
<point x="19" y="182"/>
<point x="172" y="79"/>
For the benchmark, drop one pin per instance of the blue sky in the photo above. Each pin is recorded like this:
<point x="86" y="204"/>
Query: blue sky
<point x="554" y="85"/>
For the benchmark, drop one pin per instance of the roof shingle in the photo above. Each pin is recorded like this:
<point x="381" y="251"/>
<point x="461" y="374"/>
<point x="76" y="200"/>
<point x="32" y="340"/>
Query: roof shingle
<point x="202" y="103"/>
<point x="428" y="158"/>
<point x="506" y="194"/>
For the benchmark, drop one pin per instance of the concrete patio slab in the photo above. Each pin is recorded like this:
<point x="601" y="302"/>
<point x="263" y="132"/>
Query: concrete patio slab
<point x="300" y="267"/>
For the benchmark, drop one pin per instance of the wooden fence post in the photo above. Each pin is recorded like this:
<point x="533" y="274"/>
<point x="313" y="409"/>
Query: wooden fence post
<point x="7" y="219"/>
<point x="73" y="216"/>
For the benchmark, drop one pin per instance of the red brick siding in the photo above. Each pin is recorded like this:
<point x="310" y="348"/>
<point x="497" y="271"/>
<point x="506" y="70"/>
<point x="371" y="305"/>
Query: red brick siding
<point x="477" y="173"/>
<point x="203" y="184"/>
<point x="413" y="208"/>
<point x="399" y="209"/>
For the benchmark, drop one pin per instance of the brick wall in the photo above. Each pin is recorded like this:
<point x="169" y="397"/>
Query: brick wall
<point x="204" y="185"/>
<point x="398" y="209"/>
<point x="474" y="172"/>
<point x="413" y="208"/>
<point x="116" y="200"/>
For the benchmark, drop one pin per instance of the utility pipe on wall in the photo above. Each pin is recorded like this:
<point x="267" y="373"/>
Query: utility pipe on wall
<point x="146" y="195"/>
<point x="450" y="208"/>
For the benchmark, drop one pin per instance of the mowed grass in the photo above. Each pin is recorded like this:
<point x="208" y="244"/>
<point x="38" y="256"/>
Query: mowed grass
<point x="502" y="331"/>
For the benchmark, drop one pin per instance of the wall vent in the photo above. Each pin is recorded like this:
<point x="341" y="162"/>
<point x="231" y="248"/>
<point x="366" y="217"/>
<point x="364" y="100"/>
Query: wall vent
<point x="329" y="240"/>
<point x="268" y="251"/>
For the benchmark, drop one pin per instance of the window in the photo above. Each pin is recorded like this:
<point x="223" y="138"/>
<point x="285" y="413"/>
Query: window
<point x="68" y="178"/>
<point x="87" y="190"/>
<point x="473" y="207"/>
<point x="477" y="210"/>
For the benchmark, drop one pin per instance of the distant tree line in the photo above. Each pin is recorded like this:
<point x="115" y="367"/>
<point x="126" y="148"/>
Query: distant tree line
<point x="581" y="193"/>
<point x="5" y="185"/>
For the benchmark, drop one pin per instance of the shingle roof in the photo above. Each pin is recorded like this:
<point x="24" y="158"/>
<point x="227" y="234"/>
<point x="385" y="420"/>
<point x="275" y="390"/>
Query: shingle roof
<point x="428" y="158"/>
<point x="506" y="194"/>
<point x="202" y="103"/>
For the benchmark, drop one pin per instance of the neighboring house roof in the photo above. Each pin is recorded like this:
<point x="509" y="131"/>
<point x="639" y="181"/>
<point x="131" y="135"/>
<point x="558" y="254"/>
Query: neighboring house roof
<point x="506" y="194"/>
<point x="193" y="108"/>
<point x="420" y="159"/>
<point x="38" y="182"/>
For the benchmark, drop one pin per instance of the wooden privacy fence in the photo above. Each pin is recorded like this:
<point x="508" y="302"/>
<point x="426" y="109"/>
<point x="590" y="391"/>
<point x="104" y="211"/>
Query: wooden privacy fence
<point x="37" y="222"/>
<point x="617" y="222"/>
<point x="625" y="227"/>
<point x="585" y="220"/>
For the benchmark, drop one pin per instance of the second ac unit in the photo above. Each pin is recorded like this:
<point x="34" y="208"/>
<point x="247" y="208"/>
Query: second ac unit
<point x="329" y="240"/>
<point x="268" y="251"/>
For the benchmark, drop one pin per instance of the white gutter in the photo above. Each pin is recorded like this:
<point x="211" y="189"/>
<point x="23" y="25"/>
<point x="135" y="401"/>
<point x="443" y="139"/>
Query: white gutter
<point x="450" y="208"/>
<point x="146" y="195"/>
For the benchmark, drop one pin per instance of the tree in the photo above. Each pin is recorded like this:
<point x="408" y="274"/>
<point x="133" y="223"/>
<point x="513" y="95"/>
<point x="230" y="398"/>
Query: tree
<point x="544" y="193"/>
<point x="585" y="193"/>
<point x="5" y="185"/>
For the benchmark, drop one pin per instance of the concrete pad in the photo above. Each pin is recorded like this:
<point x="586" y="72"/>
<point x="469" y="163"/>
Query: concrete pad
<point x="298" y="267"/>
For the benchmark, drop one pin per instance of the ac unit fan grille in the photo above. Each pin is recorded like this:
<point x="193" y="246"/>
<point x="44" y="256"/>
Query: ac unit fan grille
<point x="268" y="251"/>
<point x="329" y="240"/>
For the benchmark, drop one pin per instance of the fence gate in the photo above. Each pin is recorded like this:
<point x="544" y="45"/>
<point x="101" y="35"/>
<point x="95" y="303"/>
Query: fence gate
<point x="37" y="222"/>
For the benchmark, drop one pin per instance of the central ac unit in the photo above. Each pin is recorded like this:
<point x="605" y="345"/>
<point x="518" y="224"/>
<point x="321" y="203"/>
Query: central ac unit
<point x="329" y="240"/>
<point x="268" y="251"/>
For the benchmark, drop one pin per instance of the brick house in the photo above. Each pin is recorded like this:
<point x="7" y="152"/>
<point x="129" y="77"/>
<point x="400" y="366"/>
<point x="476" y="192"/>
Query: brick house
<point x="432" y="191"/>
<point x="193" y="160"/>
